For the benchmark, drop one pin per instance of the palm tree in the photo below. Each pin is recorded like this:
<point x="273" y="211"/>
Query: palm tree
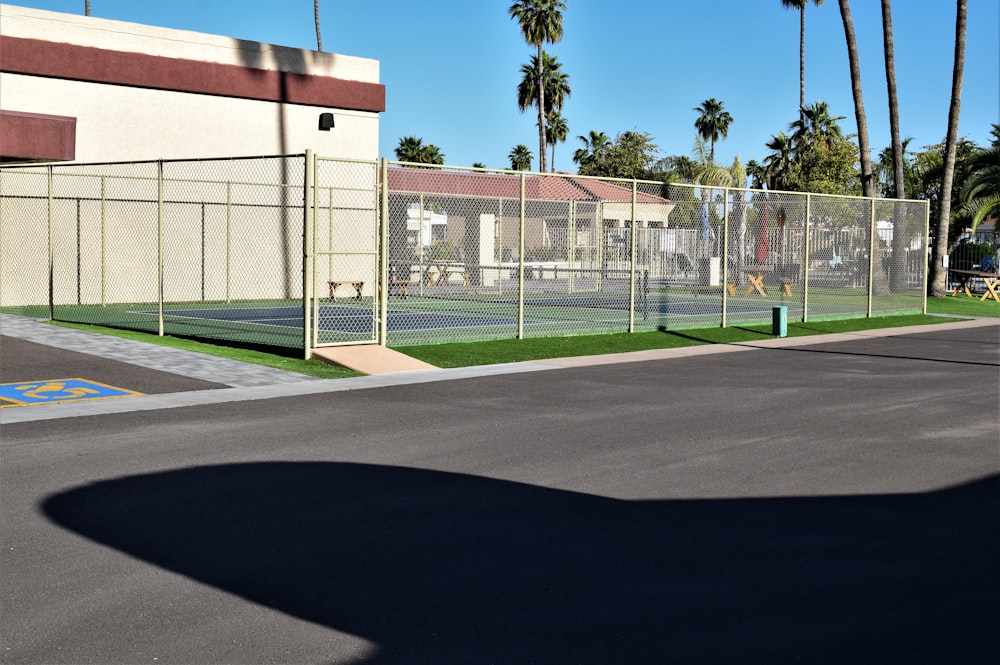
<point x="431" y="154"/>
<point x="939" y="274"/>
<point x="981" y="190"/>
<point x="713" y="123"/>
<point x="319" y="37"/>
<point x="709" y="174"/>
<point x="800" y="5"/>
<point x="884" y="170"/>
<point x="867" y="181"/>
<point x="776" y="164"/>
<point x="540" y="22"/>
<point x="520" y="158"/>
<point x="594" y="147"/>
<point x="412" y="149"/>
<point x="756" y="173"/>
<point x="816" y="124"/>
<point x="556" y="85"/>
<point x="409" y="149"/>
<point x="557" y="131"/>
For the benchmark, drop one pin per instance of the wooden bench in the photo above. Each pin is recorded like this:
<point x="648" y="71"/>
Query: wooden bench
<point x="358" y="287"/>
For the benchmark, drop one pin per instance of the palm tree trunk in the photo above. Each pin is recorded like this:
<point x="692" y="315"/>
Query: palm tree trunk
<point x="890" y="79"/>
<point x="938" y="272"/>
<point x="86" y="8"/>
<point x="880" y="280"/>
<point x="542" y="143"/>
<point x="802" y="61"/>
<point x="867" y="181"/>
<point x="319" y="37"/>
<point x="897" y="276"/>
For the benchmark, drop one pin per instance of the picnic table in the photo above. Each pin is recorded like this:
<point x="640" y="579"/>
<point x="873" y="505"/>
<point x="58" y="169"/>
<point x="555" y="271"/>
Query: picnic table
<point x="755" y="275"/>
<point x="990" y="279"/>
<point x="436" y="273"/>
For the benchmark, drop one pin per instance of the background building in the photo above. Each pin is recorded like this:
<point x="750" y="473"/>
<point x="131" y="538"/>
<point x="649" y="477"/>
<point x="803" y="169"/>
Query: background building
<point x="85" y="89"/>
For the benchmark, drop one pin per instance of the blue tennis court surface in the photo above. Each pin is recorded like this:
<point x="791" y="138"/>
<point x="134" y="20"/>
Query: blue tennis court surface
<point x="355" y="320"/>
<point x="335" y="318"/>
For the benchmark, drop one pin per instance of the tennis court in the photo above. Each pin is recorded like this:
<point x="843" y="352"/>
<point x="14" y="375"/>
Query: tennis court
<point x="218" y="249"/>
<point x="444" y="315"/>
<point x="334" y="318"/>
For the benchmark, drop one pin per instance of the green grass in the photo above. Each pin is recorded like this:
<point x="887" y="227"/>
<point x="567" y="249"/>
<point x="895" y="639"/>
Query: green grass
<point x="466" y="354"/>
<point x="507" y="351"/>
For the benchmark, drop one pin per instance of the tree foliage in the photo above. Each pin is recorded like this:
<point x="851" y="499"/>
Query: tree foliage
<point x="520" y="158"/>
<point x="630" y="155"/>
<point x="541" y="22"/>
<point x="414" y="150"/>
<point x="712" y="123"/>
<point x="815" y="157"/>
<point x="556" y="84"/>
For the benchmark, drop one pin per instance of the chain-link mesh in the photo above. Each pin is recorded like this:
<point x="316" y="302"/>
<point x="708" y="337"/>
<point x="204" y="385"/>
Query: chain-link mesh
<point x="230" y="249"/>
<point x="24" y="240"/>
<point x="345" y="250"/>
<point x="208" y="248"/>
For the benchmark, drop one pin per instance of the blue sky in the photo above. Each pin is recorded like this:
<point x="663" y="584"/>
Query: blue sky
<point x="450" y="67"/>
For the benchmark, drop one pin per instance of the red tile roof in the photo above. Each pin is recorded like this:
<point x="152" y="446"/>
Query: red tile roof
<point x="536" y="187"/>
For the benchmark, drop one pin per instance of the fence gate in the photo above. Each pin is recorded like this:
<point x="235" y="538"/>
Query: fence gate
<point x="342" y="229"/>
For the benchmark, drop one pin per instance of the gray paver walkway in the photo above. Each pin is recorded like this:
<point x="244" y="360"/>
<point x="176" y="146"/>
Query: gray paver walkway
<point x="175" y="361"/>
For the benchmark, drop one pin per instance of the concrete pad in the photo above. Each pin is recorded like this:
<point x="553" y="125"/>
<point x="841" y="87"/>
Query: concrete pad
<point x="370" y="359"/>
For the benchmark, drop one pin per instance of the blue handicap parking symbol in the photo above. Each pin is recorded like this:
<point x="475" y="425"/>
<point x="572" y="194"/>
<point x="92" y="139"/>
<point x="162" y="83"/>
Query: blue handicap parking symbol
<point x="57" y="390"/>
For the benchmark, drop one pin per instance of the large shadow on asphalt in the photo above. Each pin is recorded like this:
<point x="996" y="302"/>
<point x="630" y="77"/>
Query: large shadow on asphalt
<point x="445" y="568"/>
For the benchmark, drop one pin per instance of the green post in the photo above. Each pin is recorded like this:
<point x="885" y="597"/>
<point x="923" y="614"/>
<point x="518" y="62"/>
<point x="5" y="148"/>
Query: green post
<point x="779" y="321"/>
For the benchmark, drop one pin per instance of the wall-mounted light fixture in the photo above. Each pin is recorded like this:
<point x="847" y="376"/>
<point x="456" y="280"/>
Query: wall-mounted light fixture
<point x="325" y="122"/>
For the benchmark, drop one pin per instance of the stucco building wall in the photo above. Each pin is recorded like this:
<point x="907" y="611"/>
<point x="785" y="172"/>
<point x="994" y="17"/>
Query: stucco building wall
<point x="139" y="92"/>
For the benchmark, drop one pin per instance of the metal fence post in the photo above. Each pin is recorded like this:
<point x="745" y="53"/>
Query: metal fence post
<point x="925" y="265"/>
<point x="725" y="256"/>
<point x="51" y="256"/>
<point x="159" y="246"/>
<point x="805" y="261"/>
<point x="872" y="230"/>
<point x="633" y="233"/>
<point x="104" y="234"/>
<point x="308" y="273"/>
<point x="520" y="262"/>
<point x="383" y="256"/>
<point x="229" y="239"/>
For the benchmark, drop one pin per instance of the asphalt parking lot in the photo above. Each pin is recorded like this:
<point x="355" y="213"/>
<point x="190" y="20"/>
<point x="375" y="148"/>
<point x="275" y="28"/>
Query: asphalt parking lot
<point x="829" y="501"/>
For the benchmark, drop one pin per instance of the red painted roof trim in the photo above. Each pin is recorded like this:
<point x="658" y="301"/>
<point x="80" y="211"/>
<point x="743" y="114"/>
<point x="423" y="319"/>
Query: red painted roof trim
<point x="35" y="137"/>
<point x="83" y="63"/>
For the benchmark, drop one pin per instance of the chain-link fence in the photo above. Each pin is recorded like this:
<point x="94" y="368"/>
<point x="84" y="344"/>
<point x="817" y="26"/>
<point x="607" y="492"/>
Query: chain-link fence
<point x="476" y="254"/>
<point x="209" y="248"/>
<point x="344" y="308"/>
<point x="301" y="252"/>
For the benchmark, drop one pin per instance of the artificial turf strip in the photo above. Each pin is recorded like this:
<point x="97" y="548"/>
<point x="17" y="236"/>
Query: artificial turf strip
<point x="513" y="350"/>
<point x="465" y="354"/>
